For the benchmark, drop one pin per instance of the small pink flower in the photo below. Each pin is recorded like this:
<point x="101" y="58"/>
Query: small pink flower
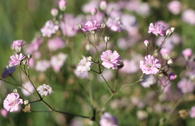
<point x="55" y="44"/>
<point x="57" y="61"/>
<point x="146" y="42"/>
<point x="158" y="28"/>
<point x="172" y="76"/>
<point x="186" y="86"/>
<point x="188" y="16"/>
<point x="91" y="25"/>
<point x="129" y="66"/>
<point x="192" y="112"/>
<point x="62" y="4"/>
<point x="69" y="25"/>
<point x="187" y="53"/>
<point x="3" y="112"/>
<point x="17" y="45"/>
<point x="35" y="45"/>
<point x="150" y="65"/>
<point x="16" y="59"/>
<point x="175" y="7"/>
<point x="42" y="65"/>
<point x="108" y="120"/>
<point x="12" y="102"/>
<point x="54" y="12"/>
<point x="114" y="24"/>
<point x="111" y="60"/>
<point x="49" y="29"/>
<point x="44" y="90"/>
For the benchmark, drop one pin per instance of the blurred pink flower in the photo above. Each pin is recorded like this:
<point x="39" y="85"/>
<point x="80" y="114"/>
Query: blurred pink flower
<point x="57" y="61"/>
<point x="111" y="59"/>
<point x="192" y="112"/>
<point x="129" y="66"/>
<point x="150" y="65"/>
<point x="83" y="67"/>
<point x="42" y="65"/>
<point x="186" y="86"/>
<point x="12" y="102"/>
<point x="27" y="89"/>
<point x="49" y="29"/>
<point x="17" y="45"/>
<point x="89" y="6"/>
<point x="62" y="4"/>
<point x="158" y="28"/>
<point x="174" y="7"/>
<point x="4" y="112"/>
<point x="34" y="46"/>
<point x="108" y="120"/>
<point x="91" y="25"/>
<point x="16" y="59"/>
<point x="70" y="25"/>
<point x="187" y="53"/>
<point x="55" y="44"/>
<point x="188" y="16"/>
<point x="114" y="24"/>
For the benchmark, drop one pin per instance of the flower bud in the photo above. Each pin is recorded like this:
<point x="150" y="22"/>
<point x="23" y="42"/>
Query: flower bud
<point x="146" y="42"/>
<point x="172" y="76"/>
<point x="54" y="12"/>
<point x="62" y="5"/>
<point x="103" y="5"/>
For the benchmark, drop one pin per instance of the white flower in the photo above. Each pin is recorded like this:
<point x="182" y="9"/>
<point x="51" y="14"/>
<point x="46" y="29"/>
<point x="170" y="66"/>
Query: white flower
<point x="44" y="90"/>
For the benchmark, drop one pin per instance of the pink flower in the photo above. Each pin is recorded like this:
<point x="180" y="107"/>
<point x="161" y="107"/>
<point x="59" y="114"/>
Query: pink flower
<point x="108" y="120"/>
<point x="114" y="24"/>
<point x="12" y="102"/>
<point x="158" y="28"/>
<point x="69" y="25"/>
<point x="55" y="44"/>
<point x="146" y="42"/>
<point x="186" y="86"/>
<point x="91" y="25"/>
<point x="192" y="112"/>
<point x="42" y="65"/>
<point x="174" y="7"/>
<point x="188" y="16"/>
<point x="16" y="59"/>
<point x="62" y="4"/>
<point x="83" y="67"/>
<point x="35" y="45"/>
<point x="3" y="112"/>
<point x="172" y="76"/>
<point x="129" y="66"/>
<point x="17" y="45"/>
<point x="54" y="12"/>
<point x="187" y="53"/>
<point x="150" y="65"/>
<point x="49" y="29"/>
<point x="111" y="60"/>
<point x="57" y="61"/>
